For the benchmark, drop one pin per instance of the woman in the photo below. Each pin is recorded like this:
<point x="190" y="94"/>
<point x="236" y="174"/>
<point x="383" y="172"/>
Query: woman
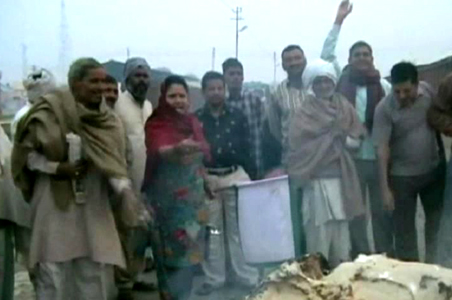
<point x="174" y="185"/>
<point x="321" y="135"/>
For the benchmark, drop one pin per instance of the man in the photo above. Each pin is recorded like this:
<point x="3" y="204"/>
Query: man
<point x="111" y="91"/>
<point x="250" y="105"/>
<point x="290" y="93"/>
<point x="133" y="108"/>
<point x="38" y="83"/>
<point x="14" y="219"/>
<point x="363" y="86"/>
<point x="411" y="160"/>
<point x="227" y="132"/>
<point x="68" y="149"/>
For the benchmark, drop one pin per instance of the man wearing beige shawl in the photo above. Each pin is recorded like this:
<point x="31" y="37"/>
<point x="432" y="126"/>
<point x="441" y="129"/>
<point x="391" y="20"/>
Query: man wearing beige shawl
<point x="321" y="135"/>
<point x="68" y="150"/>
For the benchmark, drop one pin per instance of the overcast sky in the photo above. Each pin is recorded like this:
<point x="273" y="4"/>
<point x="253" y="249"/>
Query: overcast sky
<point x="180" y="34"/>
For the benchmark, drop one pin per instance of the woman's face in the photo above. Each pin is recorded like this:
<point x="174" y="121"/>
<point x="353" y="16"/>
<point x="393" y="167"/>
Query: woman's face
<point x="177" y="97"/>
<point x="323" y="87"/>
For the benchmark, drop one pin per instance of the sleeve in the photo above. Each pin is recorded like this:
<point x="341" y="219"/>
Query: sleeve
<point x="246" y="153"/>
<point x="329" y="48"/>
<point x="120" y="184"/>
<point x="38" y="162"/>
<point x="382" y="129"/>
<point x="273" y="113"/>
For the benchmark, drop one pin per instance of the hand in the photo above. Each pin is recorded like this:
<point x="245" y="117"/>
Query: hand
<point x="388" y="200"/>
<point x="72" y="170"/>
<point x="133" y="211"/>
<point x="209" y="191"/>
<point x="275" y="173"/>
<point x="188" y="146"/>
<point x="187" y="159"/>
<point x="345" y="8"/>
<point x="447" y="132"/>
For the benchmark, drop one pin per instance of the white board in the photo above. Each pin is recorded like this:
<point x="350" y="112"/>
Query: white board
<point x="265" y="221"/>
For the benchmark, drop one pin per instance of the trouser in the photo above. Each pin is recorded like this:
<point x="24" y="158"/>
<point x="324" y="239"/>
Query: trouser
<point x="6" y="260"/>
<point x="383" y="231"/>
<point x="332" y="239"/>
<point x="444" y="253"/>
<point x="406" y="189"/>
<point x="78" y="279"/>
<point x="224" y="229"/>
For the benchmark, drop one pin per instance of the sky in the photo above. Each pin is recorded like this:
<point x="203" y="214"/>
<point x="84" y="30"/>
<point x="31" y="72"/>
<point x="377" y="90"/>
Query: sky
<point x="180" y="34"/>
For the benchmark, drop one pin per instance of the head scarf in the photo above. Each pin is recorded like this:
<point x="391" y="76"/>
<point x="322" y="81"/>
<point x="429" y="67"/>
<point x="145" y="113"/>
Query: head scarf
<point x="168" y="127"/>
<point x="319" y="68"/>
<point x="38" y="83"/>
<point x="133" y="64"/>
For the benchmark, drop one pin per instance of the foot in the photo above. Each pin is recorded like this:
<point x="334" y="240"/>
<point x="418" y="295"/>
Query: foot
<point x="125" y="294"/>
<point x="144" y="287"/>
<point x="206" y="289"/>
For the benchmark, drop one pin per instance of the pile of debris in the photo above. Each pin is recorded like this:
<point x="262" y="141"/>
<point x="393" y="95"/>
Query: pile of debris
<point x="368" y="278"/>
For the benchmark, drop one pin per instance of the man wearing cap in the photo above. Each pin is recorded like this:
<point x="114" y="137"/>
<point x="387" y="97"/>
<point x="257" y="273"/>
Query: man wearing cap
<point x="134" y="109"/>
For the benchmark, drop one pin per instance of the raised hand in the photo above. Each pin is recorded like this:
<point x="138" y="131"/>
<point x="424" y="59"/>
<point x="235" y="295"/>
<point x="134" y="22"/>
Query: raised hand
<point x="345" y="8"/>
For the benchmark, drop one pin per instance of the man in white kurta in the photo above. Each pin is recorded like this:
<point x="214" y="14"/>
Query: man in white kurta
<point x="134" y="109"/>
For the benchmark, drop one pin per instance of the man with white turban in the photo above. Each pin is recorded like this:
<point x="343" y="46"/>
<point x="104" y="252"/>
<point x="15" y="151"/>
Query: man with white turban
<point x="39" y="82"/>
<point x="133" y="108"/>
<point x="323" y="133"/>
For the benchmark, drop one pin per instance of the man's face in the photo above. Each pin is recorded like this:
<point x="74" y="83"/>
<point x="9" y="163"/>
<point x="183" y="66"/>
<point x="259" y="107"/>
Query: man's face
<point x="323" y="87"/>
<point x="361" y="59"/>
<point x="138" y="83"/>
<point x="90" y="89"/>
<point x="111" y="94"/>
<point x="294" y="62"/>
<point x="405" y="93"/>
<point x="214" y="93"/>
<point x="234" y="78"/>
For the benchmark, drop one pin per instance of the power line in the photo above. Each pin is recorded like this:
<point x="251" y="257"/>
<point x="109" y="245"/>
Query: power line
<point x="227" y="5"/>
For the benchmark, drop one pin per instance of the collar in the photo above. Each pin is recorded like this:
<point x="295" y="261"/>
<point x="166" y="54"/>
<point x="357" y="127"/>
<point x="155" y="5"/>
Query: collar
<point x="226" y="110"/>
<point x="421" y="92"/>
<point x="132" y="99"/>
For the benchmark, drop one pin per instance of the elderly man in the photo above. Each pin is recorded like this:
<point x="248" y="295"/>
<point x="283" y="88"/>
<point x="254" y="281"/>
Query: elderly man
<point x="134" y="109"/>
<point x="68" y="149"/>
<point x="14" y="219"/>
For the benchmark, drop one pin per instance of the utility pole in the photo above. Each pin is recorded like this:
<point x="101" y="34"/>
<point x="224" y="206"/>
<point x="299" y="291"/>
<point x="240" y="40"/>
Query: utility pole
<point x="213" y="58"/>
<point x="275" y="66"/>
<point x="65" y="47"/>
<point x="237" y="19"/>
<point x="128" y="53"/>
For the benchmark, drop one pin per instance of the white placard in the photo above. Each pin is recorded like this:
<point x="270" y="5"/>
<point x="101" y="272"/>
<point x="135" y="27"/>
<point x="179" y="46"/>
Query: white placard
<point x="265" y="220"/>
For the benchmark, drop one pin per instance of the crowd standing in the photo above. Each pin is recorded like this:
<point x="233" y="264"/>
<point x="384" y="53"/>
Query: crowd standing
<point x="94" y="176"/>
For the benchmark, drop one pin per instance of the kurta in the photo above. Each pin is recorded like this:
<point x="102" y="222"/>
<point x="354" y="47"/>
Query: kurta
<point x="134" y="117"/>
<point x="84" y="230"/>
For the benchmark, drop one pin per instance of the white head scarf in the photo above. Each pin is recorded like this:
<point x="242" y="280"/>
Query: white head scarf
<point x="39" y="82"/>
<point x="318" y="68"/>
<point x="132" y="64"/>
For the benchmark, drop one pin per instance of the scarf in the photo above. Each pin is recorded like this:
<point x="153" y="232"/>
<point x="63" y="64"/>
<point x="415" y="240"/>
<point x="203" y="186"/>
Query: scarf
<point x="317" y="142"/>
<point x="351" y="79"/>
<point x="44" y="130"/>
<point x="167" y="127"/>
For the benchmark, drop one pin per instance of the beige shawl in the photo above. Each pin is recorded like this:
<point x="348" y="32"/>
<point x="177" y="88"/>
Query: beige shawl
<point x="317" y="142"/>
<point x="44" y="130"/>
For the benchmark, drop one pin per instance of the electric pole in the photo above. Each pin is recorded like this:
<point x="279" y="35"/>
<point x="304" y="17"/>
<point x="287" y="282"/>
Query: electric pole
<point x="24" y="61"/>
<point x="237" y="19"/>
<point x="213" y="58"/>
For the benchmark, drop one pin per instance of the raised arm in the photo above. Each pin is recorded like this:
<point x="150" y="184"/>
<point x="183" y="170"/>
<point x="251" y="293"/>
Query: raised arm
<point x="329" y="46"/>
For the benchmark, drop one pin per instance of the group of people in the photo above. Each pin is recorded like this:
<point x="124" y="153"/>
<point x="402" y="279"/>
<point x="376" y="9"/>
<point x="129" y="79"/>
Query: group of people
<point x="100" y="175"/>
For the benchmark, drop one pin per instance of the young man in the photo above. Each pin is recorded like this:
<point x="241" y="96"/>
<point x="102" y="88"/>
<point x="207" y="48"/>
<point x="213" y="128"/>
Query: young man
<point x="111" y="91"/>
<point x="411" y="160"/>
<point x="226" y="130"/>
<point x="363" y="86"/>
<point x="250" y="105"/>
<point x="134" y="109"/>
<point x="290" y="93"/>
<point x="75" y="243"/>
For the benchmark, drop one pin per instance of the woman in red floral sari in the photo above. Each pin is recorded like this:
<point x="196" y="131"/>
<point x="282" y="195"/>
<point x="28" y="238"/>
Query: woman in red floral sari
<point x="174" y="185"/>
